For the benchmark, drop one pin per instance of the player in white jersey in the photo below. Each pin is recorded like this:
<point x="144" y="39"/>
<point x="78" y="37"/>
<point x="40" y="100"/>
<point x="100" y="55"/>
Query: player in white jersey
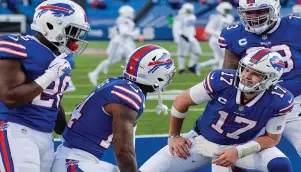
<point x="215" y="25"/>
<point x="184" y="35"/>
<point x="121" y="45"/>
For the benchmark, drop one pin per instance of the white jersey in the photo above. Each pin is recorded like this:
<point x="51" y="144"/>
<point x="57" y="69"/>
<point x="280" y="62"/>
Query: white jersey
<point x="184" y="24"/>
<point x="216" y="23"/>
<point x="126" y="28"/>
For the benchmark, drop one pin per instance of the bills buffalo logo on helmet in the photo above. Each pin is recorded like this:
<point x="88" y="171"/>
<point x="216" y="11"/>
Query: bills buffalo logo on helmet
<point x="57" y="9"/>
<point x="277" y="63"/>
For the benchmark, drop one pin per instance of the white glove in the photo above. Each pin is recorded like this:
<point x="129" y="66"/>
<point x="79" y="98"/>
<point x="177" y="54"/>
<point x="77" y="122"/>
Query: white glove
<point x="205" y="147"/>
<point x="59" y="66"/>
<point x="56" y="69"/>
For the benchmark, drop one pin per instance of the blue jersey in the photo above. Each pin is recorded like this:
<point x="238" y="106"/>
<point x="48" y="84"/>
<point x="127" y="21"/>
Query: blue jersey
<point x="90" y="127"/>
<point x="227" y="121"/>
<point x="41" y="113"/>
<point x="285" y="38"/>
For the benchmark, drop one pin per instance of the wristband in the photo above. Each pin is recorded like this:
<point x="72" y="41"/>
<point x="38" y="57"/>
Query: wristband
<point x="177" y="114"/>
<point x="247" y="149"/>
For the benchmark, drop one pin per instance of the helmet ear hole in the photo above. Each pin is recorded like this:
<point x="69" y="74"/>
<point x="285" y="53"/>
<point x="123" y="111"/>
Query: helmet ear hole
<point x="50" y="26"/>
<point x="160" y="79"/>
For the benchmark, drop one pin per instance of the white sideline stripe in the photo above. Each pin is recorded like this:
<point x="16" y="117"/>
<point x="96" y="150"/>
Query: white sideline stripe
<point x="137" y="136"/>
<point x="99" y="51"/>
<point x="149" y="97"/>
<point x="154" y="110"/>
<point x="167" y="95"/>
<point x="90" y="85"/>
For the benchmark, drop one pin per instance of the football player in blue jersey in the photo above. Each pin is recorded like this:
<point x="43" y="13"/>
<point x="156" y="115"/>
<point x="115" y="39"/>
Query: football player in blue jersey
<point x="261" y="26"/>
<point x="35" y="71"/>
<point x="108" y="115"/>
<point x="240" y="104"/>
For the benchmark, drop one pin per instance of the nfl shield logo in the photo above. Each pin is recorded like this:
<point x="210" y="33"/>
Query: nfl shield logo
<point x="241" y="108"/>
<point x="264" y="37"/>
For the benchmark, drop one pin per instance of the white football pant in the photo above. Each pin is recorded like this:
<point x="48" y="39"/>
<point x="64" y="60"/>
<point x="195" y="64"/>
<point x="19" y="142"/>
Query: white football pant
<point x="184" y="48"/>
<point x="162" y="161"/>
<point x="24" y="149"/>
<point x="67" y="159"/>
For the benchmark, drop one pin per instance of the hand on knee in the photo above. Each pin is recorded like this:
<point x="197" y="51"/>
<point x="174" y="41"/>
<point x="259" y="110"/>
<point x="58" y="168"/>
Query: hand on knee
<point x="282" y="164"/>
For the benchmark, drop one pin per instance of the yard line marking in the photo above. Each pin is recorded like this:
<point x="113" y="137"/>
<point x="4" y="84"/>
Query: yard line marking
<point x="154" y="110"/>
<point x="136" y="136"/>
<point x="167" y="95"/>
<point x="99" y="51"/>
<point x="90" y="85"/>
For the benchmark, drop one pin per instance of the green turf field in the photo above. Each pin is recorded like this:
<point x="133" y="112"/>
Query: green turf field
<point x="150" y="122"/>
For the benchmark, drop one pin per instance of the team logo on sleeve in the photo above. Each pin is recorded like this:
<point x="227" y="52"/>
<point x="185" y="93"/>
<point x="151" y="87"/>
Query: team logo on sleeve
<point x="58" y="9"/>
<point x="277" y="63"/>
<point x="71" y="162"/>
<point x="164" y="61"/>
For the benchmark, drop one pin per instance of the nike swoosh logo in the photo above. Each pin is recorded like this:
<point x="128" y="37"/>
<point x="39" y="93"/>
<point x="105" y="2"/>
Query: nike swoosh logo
<point x="212" y="76"/>
<point x="134" y="89"/>
<point x="290" y="101"/>
<point x="52" y="65"/>
<point x="13" y="38"/>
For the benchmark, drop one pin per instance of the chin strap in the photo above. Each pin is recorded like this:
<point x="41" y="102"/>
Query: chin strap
<point x="161" y="107"/>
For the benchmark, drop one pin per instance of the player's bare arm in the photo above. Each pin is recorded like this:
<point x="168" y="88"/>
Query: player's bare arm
<point x="123" y="124"/>
<point x="231" y="60"/>
<point x="14" y="91"/>
<point x="176" y="143"/>
<point x="61" y="121"/>
<point x="268" y="140"/>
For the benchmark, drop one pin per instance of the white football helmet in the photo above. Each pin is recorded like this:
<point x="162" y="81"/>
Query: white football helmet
<point x="296" y="9"/>
<point x="62" y="22"/>
<point x="187" y="8"/>
<point x="224" y="8"/>
<point x="153" y="66"/>
<point x="264" y="62"/>
<point x="127" y="11"/>
<point x="258" y="15"/>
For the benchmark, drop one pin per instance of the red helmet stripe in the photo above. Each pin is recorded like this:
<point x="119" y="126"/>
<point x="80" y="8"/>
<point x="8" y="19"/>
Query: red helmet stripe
<point x="256" y="58"/>
<point x="133" y="64"/>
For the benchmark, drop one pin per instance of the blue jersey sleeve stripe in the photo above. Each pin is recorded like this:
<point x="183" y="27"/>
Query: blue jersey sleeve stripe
<point x="129" y="92"/>
<point x="13" y="52"/>
<point x="287" y="108"/>
<point x="126" y="98"/>
<point x="12" y="44"/>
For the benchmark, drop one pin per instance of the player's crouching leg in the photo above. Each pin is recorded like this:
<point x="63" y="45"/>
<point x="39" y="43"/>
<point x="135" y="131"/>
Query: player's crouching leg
<point x="271" y="160"/>
<point x="67" y="159"/>
<point x="163" y="161"/>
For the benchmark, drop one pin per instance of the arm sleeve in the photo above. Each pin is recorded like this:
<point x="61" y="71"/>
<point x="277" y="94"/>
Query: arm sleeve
<point x="276" y="124"/>
<point x="199" y="94"/>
